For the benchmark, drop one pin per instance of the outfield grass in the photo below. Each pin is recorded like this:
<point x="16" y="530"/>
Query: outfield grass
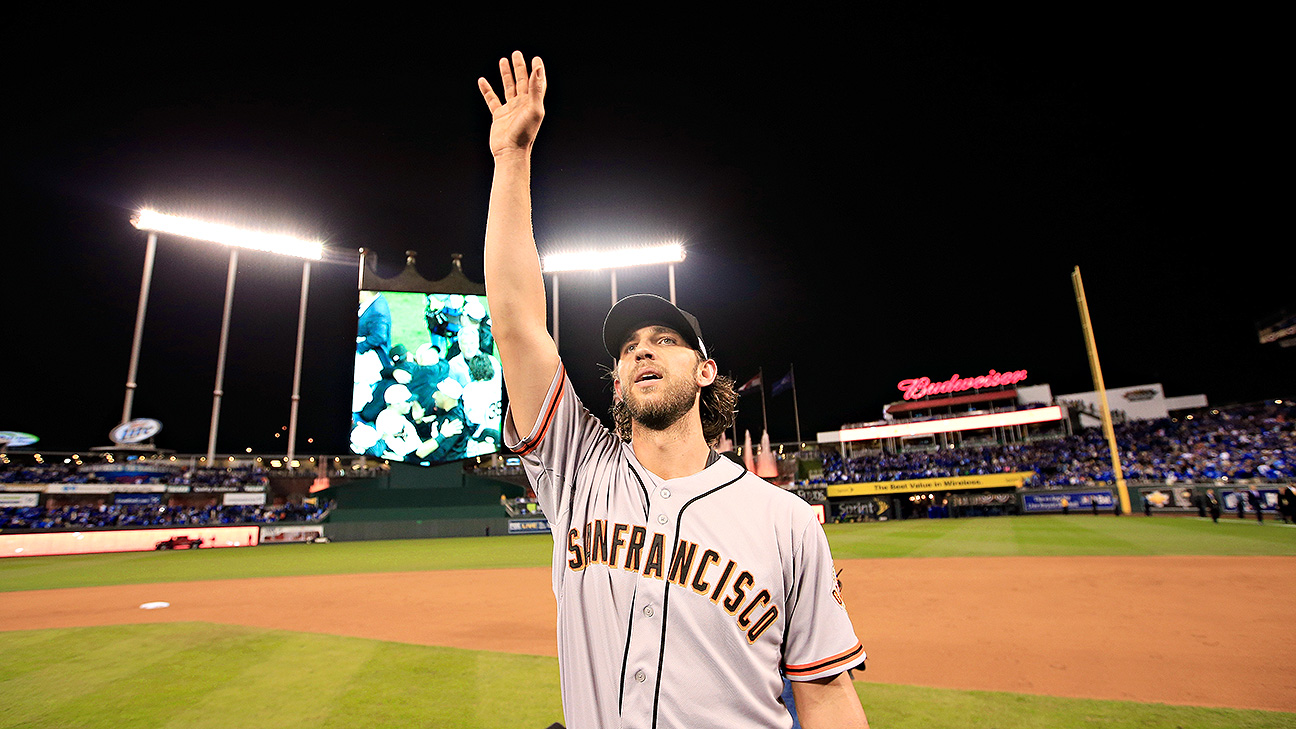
<point x="916" y="707"/>
<point x="198" y="675"/>
<point x="987" y="537"/>
<point x="1057" y="536"/>
<point x="277" y="560"/>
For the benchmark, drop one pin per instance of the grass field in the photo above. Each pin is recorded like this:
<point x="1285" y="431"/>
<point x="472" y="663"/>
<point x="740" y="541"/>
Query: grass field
<point x="203" y="675"/>
<point x="1040" y="536"/>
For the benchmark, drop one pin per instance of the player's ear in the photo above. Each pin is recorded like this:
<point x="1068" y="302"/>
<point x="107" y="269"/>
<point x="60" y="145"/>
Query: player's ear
<point x="706" y="372"/>
<point x="616" y="387"/>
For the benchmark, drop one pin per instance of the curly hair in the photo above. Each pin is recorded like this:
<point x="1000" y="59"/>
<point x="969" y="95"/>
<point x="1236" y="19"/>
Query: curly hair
<point x="718" y="406"/>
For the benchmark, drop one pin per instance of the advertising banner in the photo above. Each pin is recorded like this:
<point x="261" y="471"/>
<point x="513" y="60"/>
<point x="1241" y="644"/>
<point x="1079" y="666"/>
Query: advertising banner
<point x="19" y="500"/>
<point x="1168" y="498"/>
<point x="874" y="508"/>
<point x="1268" y="500"/>
<point x="1141" y="402"/>
<point x="528" y="526"/>
<point x="137" y="499"/>
<point x="811" y="495"/>
<point x="1000" y="499"/>
<point x="125" y="540"/>
<point x="953" y="483"/>
<point x="1083" y="500"/>
<point x="298" y="534"/>
<point x="248" y="498"/>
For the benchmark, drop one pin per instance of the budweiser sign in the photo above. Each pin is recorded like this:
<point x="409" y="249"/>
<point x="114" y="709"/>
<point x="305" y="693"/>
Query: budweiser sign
<point x="923" y="386"/>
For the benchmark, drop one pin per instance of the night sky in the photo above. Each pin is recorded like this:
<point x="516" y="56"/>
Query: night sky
<point x="868" y="198"/>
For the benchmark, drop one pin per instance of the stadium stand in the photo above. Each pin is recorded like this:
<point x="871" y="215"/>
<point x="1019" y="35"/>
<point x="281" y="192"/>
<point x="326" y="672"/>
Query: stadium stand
<point x="1247" y="442"/>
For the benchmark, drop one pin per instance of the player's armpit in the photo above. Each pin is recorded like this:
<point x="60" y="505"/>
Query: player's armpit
<point x="829" y="703"/>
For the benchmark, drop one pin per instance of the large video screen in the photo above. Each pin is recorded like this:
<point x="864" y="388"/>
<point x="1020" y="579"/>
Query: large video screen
<point x="427" y="387"/>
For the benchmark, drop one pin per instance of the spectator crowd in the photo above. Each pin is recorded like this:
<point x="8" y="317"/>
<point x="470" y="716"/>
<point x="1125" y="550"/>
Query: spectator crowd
<point x="102" y="516"/>
<point x="127" y="474"/>
<point x="1245" y="442"/>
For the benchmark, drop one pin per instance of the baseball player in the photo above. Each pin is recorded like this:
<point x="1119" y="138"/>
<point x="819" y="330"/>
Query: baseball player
<point x="685" y="585"/>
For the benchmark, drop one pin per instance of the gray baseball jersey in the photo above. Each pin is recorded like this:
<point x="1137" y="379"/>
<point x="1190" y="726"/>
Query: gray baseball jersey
<point x="679" y="601"/>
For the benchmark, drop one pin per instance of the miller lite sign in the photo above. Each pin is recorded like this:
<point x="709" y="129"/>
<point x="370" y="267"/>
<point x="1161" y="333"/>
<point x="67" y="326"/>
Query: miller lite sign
<point x="135" y="431"/>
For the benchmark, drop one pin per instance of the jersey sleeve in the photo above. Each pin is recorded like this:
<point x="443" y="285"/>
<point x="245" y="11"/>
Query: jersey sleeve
<point x="564" y="434"/>
<point x="820" y="640"/>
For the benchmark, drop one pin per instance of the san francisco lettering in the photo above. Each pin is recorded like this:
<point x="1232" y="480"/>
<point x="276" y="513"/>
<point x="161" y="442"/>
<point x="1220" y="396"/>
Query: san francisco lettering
<point x="705" y="571"/>
<point x="923" y="386"/>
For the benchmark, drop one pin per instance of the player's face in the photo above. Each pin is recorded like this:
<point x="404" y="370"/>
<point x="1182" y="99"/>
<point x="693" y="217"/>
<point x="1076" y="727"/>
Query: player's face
<point x="469" y="341"/>
<point x="444" y="401"/>
<point x="659" y="376"/>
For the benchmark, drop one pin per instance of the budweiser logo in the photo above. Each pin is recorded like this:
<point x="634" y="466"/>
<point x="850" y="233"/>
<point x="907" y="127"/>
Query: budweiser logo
<point x="923" y="386"/>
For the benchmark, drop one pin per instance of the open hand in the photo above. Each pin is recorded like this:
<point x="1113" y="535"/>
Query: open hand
<point x="515" y="120"/>
<point x="451" y="428"/>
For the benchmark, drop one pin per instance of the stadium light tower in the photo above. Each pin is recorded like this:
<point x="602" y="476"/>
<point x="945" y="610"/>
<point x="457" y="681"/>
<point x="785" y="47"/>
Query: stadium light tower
<point x="155" y="222"/>
<point x="555" y="263"/>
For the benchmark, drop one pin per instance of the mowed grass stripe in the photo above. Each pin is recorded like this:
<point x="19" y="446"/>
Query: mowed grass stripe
<point x="917" y="707"/>
<point x="278" y="560"/>
<point x="1047" y="535"/>
<point x="1056" y="535"/>
<point x="198" y="675"/>
<point x="201" y="675"/>
<point x="408" y="685"/>
<point x="306" y="672"/>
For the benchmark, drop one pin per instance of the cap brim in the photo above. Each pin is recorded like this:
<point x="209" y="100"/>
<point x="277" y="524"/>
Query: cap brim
<point x="640" y="310"/>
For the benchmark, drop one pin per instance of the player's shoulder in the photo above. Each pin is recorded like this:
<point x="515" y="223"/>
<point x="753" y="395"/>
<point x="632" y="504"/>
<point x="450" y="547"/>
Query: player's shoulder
<point x="778" y="498"/>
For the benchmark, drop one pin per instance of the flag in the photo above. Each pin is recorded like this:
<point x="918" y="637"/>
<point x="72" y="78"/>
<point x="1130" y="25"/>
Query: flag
<point x="783" y="385"/>
<point x="752" y="384"/>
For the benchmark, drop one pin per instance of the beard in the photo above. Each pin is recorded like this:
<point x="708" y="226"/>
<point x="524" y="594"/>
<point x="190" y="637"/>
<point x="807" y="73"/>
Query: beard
<point x="672" y="403"/>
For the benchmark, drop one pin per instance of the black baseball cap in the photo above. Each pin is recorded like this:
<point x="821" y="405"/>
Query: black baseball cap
<point x="642" y="310"/>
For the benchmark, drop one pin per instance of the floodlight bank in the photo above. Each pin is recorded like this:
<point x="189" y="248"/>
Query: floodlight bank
<point x="597" y="260"/>
<point x="287" y="245"/>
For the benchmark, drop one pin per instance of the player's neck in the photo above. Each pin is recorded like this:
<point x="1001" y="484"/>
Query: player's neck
<point x="675" y="452"/>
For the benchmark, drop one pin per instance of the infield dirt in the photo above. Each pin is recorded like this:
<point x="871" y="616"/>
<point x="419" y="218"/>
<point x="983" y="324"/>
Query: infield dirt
<point x="1201" y="631"/>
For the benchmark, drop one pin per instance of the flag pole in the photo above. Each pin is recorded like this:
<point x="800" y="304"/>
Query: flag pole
<point x="796" y="412"/>
<point x="760" y="371"/>
<point x="735" y="422"/>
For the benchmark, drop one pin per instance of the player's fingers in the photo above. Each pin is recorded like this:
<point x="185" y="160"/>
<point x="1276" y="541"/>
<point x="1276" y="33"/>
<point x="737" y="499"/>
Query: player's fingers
<point x="506" y="75"/>
<point x="520" y="72"/>
<point x="492" y="101"/>
<point x="539" y="83"/>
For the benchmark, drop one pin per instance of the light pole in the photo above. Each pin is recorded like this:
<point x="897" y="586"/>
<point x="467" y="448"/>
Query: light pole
<point x="155" y="222"/>
<point x="297" y="364"/>
<point x="149" y="254"/>
<point x="555" y="263"/>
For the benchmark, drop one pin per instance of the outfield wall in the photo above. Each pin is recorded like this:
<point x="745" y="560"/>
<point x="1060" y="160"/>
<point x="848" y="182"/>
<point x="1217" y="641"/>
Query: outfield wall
<point x="42" y="543"/>
<point x="881" y="501"/>
<point x="357" y="531"/>
<point x="419" y="503"/>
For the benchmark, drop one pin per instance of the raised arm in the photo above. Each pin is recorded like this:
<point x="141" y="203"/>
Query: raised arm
<point x="514" y="286"/>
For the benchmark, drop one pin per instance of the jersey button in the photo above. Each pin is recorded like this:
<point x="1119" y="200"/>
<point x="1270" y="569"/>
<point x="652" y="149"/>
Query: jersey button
<point x="639" y="676"/>
<point x="662" y="518"/>
<point x="648" y="611"/>
<point x="665" y="493"/>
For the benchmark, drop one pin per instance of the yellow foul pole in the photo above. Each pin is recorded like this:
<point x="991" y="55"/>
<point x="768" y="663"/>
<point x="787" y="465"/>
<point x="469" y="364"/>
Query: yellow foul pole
<point x="1096" y="370"/>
